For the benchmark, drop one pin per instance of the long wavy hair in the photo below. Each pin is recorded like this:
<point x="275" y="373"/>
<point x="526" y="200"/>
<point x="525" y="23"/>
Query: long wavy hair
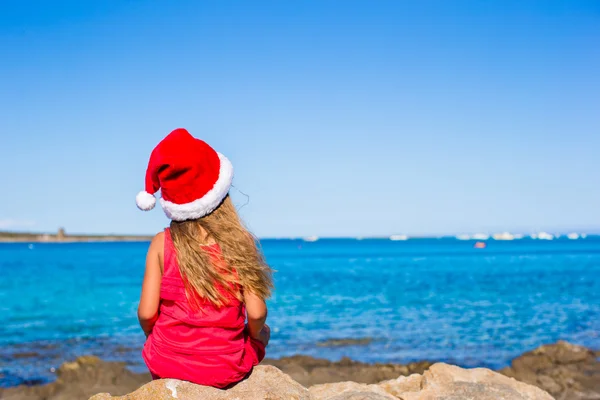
<point x="244" y="267"/>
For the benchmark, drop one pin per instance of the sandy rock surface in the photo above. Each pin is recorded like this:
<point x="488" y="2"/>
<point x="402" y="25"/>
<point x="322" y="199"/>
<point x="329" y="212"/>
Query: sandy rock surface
<point x="265" y="382"/>
<point x="349" y="390"/>
<point x="448" y="382"/>
<point x="439" y="382"/>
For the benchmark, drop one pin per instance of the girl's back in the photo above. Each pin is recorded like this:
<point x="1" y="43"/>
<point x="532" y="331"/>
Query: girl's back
<point x="208" y="345"/>
<point x="202" y="306"/>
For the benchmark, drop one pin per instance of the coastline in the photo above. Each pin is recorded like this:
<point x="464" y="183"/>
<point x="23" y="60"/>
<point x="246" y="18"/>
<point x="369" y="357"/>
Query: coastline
<point x="79" y="240"/>
<point x="62" y="237"/>
<point x="562" y="369"/>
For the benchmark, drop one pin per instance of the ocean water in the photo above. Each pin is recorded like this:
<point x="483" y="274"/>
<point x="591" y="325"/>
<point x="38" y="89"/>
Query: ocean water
<point x="439" y="300"/>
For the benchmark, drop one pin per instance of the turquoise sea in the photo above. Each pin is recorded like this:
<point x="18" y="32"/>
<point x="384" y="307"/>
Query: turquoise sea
<point x="436" y="299"/>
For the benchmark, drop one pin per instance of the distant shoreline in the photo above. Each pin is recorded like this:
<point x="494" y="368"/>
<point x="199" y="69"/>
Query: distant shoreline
<point x="71" y="240"/>
<point x="62" y="237"/>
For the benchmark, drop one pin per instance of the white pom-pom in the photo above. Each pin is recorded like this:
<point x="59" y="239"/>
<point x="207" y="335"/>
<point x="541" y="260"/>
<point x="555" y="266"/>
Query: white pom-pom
<point x="145" y="201"/>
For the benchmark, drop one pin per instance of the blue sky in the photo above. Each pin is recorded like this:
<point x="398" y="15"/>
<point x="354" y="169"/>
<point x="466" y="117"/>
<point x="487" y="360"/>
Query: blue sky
<point x="342" y="118"/>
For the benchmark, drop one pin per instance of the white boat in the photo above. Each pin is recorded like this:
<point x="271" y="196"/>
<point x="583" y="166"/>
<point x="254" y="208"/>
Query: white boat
<point x="545" y="236"/>
<point x="573" y="236"/>
<point x="311" y="239"/>
<point x="503" y="236"/>
<point x="481" y="236"/>
<point x="398" y="237"/>
<point x="463" y="237"/>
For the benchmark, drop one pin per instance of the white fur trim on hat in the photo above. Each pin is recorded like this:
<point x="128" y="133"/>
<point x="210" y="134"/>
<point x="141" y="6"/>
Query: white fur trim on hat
<point x="145" y="201"/>
<point x="207" y="203"/>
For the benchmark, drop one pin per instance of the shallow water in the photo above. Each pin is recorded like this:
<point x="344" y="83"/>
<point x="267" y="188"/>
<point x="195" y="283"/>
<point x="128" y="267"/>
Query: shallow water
<point x="417" y="299"/>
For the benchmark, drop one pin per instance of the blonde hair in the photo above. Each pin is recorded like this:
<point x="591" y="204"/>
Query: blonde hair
<point x="244" y="265"/>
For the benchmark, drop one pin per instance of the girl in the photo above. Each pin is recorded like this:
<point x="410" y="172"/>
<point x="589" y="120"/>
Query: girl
<point x="204" y="275"/>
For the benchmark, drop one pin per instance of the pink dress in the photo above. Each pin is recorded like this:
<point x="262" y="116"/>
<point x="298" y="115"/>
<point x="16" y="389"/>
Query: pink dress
<point x="209" y="347"/>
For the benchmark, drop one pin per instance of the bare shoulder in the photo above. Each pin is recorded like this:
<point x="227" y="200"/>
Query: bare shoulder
<point x="160" y="236"/>
<point x="158" y="242"/>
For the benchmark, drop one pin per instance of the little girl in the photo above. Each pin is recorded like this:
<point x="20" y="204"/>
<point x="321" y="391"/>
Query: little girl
<point x="204" y="275"/>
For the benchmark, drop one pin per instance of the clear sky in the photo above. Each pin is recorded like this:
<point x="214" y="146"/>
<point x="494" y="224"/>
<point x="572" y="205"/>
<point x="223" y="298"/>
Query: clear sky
<point x="350" y="118"/>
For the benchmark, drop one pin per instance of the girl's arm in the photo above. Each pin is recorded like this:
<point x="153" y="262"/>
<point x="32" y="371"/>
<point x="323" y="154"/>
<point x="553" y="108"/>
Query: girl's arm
<point x="150" y="298"/>
<point x="256" y="310"/>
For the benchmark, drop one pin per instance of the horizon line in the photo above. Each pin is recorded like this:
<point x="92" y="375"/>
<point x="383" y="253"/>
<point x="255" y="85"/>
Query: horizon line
<point x="397" y="237"/>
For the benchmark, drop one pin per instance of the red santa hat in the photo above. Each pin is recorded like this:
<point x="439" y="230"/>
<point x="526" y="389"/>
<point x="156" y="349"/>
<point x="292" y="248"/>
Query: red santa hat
<point x="192" y="177"/>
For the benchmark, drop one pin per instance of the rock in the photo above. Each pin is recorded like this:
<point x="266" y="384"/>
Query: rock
<point x="265" y="382"/>
<point x="564" y="370"/>
<point x="439" y="382"/>
<point x="360" y="396"/>
<point x="349" y="390"/>
<point x="345" y="342"/>
<point x="313" y="371"/>
<point x="402" y="384"/>
<point x="79" y="380"/>
<point x="448" y="382"/>
<point x="26" y="354"/>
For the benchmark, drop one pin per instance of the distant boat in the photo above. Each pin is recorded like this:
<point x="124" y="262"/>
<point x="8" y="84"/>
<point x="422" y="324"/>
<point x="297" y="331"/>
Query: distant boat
<point x="480" y="245"/>
<point x="503" y="236"/>
<point x="463" y="237"/>
<point x="481" y="236"/>
<point x="573" y="236"/>
<point x="311" y="239"/>
<point x="398" y="237"/>
<point x="545" y="236"/>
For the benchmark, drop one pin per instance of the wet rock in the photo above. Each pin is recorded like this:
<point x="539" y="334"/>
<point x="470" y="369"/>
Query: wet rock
<point x="79" y="380"/>
<point x="345" y="342"/>
<point x="265" y="382"/>
<point x="564" y="370"/>
<point x="26" y="354"/>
